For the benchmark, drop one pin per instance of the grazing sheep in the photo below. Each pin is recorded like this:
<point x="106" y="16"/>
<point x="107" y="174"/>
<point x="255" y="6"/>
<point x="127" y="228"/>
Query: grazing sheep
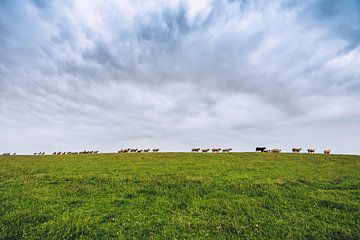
<point x="139" y="151"/>
<point x="260" y="149"/>
<point x="311" y="150"/>
<point x="133" y="150"/>
<point x="226" y="150"/>
<point x="124" y="150"/>
<point x="195" y="150"/>
<point x="275" y="150"/>
<point x="155" y="149"/>
<point x="147" y="150"/>
<point x="296" y="150"/>
<point x="327" y="151"/>
<point x="205" y="150"/>
<point x="215" y="150"/>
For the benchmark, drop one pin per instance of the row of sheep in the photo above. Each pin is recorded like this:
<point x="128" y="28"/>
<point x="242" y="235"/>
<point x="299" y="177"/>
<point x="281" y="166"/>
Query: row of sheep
<point x="9" y="154"/>
<point x="82" y="152"/>
<point x="214" y="150"/>
<point x="136" y="150"/>
<point x="194" y="150"/>
<point x="294" y="150"/>
<point x="88" y="152"/>
<point x="67" y="153"/>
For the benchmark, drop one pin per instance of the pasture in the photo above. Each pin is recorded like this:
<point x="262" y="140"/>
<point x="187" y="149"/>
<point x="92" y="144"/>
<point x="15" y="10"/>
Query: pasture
<point x="180" y="196"/>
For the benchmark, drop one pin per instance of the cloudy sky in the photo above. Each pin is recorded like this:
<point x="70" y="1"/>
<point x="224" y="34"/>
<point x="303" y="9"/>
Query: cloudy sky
<point x="106" y="74"/>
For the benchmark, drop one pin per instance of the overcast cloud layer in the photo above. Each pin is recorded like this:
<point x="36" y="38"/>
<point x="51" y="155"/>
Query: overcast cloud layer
<point x="104" y="75"/>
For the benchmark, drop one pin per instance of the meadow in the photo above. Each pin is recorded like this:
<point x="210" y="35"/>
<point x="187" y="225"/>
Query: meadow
<point x="180" y="196"/>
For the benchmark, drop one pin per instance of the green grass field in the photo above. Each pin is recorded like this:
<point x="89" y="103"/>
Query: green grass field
<point x="180" y="196"/>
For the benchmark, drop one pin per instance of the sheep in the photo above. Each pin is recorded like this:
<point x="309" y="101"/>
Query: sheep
<point x="205" y="150"/>
<point x="311" y="150"/>
<point x="260" y="149"/>
<point x="139" y="151"/>
<point x="327" y="151"/>
<point x="133" y="150"/>
<point x="275" y="150"/>
<point x="215" y="150"/>
<point x="296" y="150"/>
<point x="124" y="150"/>
<point x="226" y="150"/>
<point x="195" y="150"/>
<point x="156" y="150"/>
<point x="146" y="150"/>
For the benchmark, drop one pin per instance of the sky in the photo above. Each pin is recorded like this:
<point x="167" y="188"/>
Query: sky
<point x="105" y="74"/>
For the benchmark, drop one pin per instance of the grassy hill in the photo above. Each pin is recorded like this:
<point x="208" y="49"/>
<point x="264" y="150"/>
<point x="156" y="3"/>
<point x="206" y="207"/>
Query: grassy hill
<point x="180" y="195"/>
